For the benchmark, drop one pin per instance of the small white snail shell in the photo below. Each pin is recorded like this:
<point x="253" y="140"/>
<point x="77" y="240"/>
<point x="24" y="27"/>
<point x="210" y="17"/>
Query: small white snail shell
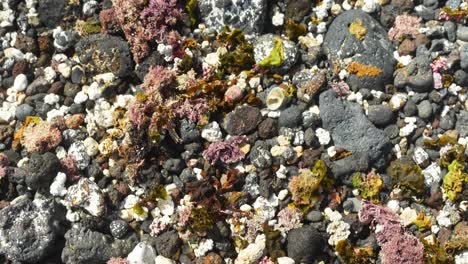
<point x="275" y="98"/>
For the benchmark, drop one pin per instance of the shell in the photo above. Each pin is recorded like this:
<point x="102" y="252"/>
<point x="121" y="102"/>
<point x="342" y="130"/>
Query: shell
<point x="275" y="98"/>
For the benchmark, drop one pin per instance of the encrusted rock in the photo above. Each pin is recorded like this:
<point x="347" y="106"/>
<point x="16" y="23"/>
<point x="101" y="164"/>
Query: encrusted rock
<point x="104" y="53"/>
<point x="374" y="50"/>
<point x="29" y="229"/>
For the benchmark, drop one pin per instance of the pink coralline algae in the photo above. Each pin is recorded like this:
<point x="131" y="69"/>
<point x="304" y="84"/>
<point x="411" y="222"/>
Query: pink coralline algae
<point x="193" y="109"/>
<point x="227" y="151"/>
<point x="127" y="14"/>
<point x="341" y="88"/>
<point x="160" y="17"/>
<point x="439" y="64"/>
<point x="137" y="113"/>
<point x="405" y="25"/>
<point x="398" y="245"/>
<point x="41" y="137"/>
<point x="118" y="260"/>
<point x="438" y="84"/>
<point x="108" y="20"/>
<point x="157" y="83"/>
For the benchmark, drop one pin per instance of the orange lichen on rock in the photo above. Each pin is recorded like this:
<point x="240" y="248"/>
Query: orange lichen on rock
<point x="362" y="70"/>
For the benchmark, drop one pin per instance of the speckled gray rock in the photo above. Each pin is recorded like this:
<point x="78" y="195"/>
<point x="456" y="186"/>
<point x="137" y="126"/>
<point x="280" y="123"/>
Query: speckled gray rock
<point x="264" y="44"/>
<point x="104" y="53"/>
<point x="374" y="50"/>
<point x="417" y="75"/>
<point x="119" y="228"/>
<point x="260" y="155"/>
<point x="28" y="229"/>
<point x="380" y="115"/>
<point x="84" y="246"/>
<point x="248" y="15"/>
<point x="304" y="243"/>
<point x="462" y="123"/>
<point x="447" y="121"/>
<point x="350" y="128"/>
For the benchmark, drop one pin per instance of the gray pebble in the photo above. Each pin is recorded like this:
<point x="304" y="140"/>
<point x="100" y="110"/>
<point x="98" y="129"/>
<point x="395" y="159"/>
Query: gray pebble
<point x="380" y="115"/>
<point x="410" y="108"/>
<point x="425" y="110"/>
<point x="462" y="33"/>
<point x="22" y="111"/>
<point x="290" y="117"/>
<point x="314" y="216"/>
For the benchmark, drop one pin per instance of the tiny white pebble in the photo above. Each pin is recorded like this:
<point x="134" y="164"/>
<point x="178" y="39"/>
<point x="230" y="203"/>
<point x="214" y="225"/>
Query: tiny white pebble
<point x="20" y="83"/>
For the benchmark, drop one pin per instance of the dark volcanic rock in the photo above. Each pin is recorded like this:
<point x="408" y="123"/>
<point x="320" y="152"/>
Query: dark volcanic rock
<point x="373" y="50"/>
<point x="29" y="229"/>
<point x="104" y="53"/>
<point x="51" y="12"/>
<point x="42" y="169"/>
<point x="84" y="246"/>
<point x="304" y="243"/>
<point x="242" y="120"/>
<point x="168" y="244"/>
<point x="350" y="128"/>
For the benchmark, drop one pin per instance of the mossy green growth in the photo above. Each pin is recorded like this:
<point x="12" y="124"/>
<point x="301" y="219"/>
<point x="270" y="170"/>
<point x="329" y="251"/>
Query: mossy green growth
<point x="141" y="97"/>
<point x="407" y="176"/>
<point x="185" y="64"/>
<point x="369" y="185"/>
<point x="440" y="142"/>
<point x="294" y="30"/>
<point x="422" y="222"/>
<point x="88" y="27"/>
<point x="350" y="254"/>
<point x="304" y="188"/>
<point x="159" y="192"/>
<point x="273" y="243"/>
<point x="201" y="219"/>
<point x="457" y="152"/>
<point x="190" y="6"/>
<point x="454" y="180"/>
<point x="435" y="253"/>
<point x="276" y="57"/>
<point x="240" y="52"/>
<point x="154" y="134"/>
<point x="138" y="210"/>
